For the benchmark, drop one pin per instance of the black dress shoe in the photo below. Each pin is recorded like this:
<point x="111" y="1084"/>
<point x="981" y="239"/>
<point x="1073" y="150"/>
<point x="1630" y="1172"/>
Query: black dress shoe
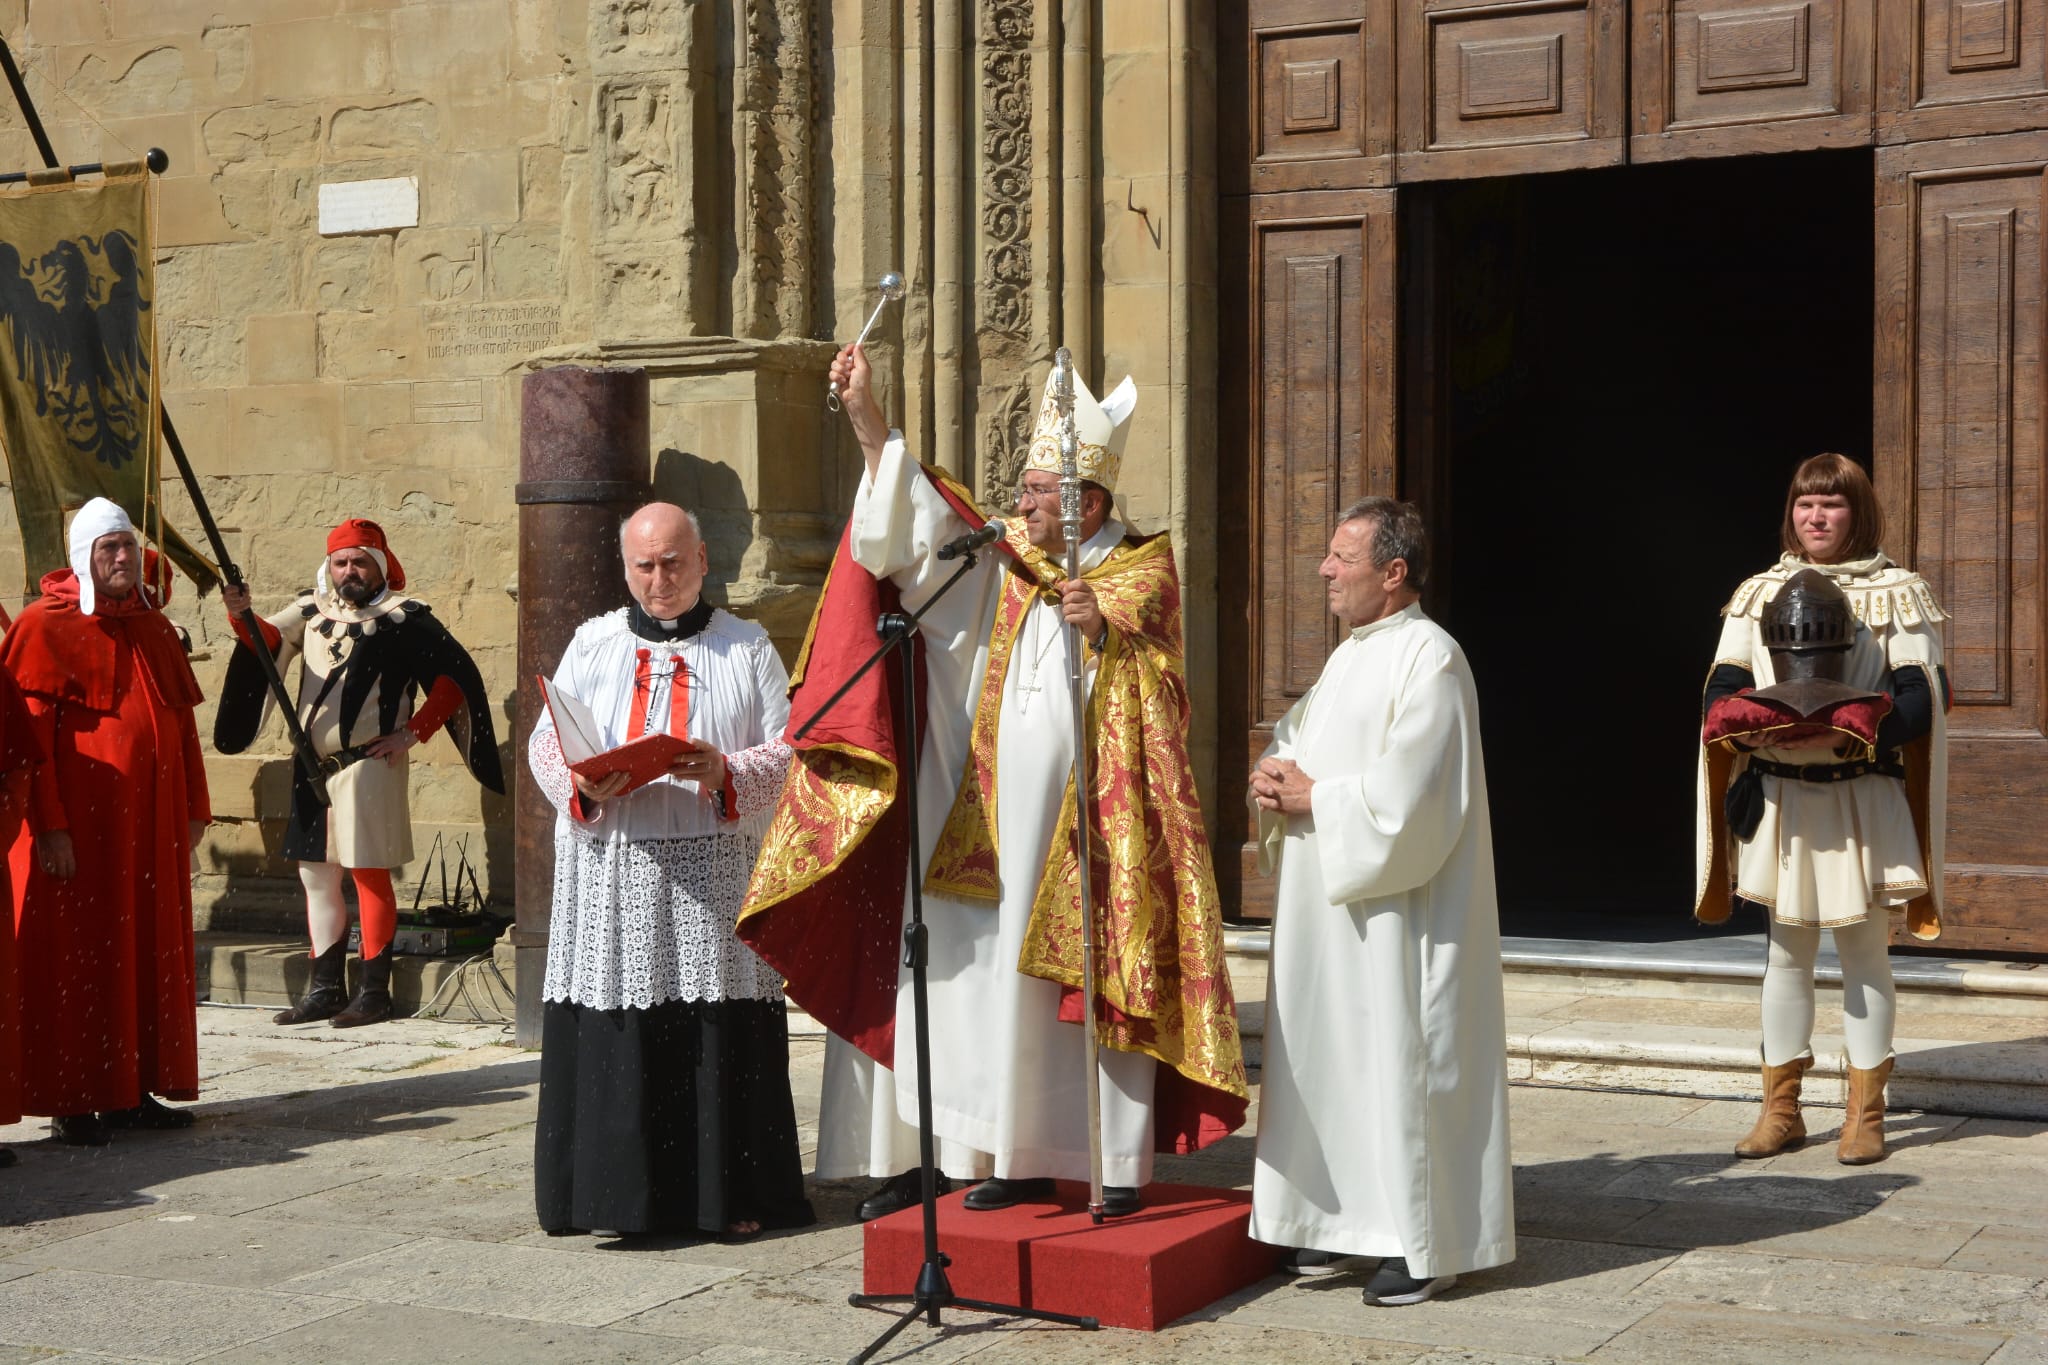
<point x="6" y="1157"/>
<point x="1001" y="1194"/>
<point x="1120" y="1201"/>
<point x="900" y="1192"/>
<point x="151" y="1114"/>
<point x="80" y="1130"/>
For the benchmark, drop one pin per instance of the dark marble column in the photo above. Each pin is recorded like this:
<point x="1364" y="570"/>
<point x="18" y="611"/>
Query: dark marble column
<point x="583" y="466"/>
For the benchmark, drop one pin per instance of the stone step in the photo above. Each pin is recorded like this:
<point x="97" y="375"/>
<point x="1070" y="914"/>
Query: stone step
<point x="1974" y="1036"/>
<point x="271" y="971"/>
<point x="1681" y="1019"/>
<point x="1983" y="1078"/>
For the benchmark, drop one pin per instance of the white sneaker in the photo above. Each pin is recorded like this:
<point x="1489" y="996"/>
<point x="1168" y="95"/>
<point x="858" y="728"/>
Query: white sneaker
<point x="1391" y="1286"/>
<point x="1309" y="1261"/>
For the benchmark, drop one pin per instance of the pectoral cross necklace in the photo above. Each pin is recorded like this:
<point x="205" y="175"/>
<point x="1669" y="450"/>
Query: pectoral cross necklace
<point x="1027" y="682"/>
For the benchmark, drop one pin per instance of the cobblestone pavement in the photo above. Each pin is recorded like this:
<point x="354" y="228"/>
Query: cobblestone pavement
<point x="365" y="1197"/>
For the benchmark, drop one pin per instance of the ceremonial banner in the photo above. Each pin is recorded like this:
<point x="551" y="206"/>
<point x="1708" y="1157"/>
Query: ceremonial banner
<point x="78" y="344"/>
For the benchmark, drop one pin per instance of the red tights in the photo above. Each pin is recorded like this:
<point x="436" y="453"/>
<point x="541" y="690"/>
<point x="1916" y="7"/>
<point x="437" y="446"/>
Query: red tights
<point x="327" y="913"/>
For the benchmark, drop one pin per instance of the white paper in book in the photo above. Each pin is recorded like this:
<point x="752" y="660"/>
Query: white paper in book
<point x="576" y="727"/>
<point x="645" y="759"/>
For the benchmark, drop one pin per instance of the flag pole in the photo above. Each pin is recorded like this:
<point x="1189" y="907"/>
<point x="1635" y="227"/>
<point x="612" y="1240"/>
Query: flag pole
<point x="158" y="162"/>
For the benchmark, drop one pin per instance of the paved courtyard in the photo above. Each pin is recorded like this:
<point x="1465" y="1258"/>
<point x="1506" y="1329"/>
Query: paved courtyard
<point x="365" y="1197"/>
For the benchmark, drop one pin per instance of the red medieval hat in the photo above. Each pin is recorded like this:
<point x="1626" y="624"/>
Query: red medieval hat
<point x="359" y="534"/>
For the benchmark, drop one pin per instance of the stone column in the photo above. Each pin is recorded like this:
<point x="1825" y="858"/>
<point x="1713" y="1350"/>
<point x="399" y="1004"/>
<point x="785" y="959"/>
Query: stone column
<point x="774" y="121"/>
<point x="583" y="466"/>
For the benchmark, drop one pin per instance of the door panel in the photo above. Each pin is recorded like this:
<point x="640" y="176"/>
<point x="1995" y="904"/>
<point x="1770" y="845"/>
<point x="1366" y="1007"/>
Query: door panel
<point x="1318" y="100"/>
<point x="1734" y="77"/>
<point x="1319" y="428"/>
<point x="1955" y="68"/>
<point x="1960" y="466"/>
<point x="1504" y="87"/>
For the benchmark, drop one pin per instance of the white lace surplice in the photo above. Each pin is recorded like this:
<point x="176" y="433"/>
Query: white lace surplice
<point x="647" y="890"/>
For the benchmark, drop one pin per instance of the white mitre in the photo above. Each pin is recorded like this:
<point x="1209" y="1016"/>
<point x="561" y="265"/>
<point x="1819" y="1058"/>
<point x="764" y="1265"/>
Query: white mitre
<point x="1099" y="428"/>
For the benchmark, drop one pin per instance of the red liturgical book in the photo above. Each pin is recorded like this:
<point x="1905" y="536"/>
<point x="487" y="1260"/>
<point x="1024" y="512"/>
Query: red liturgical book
<point x="646" y="759"/>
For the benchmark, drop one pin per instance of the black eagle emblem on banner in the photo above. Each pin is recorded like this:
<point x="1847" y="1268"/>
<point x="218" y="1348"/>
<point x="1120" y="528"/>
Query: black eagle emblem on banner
<point x="78" y="347"/>
<point x="74" y="316"/>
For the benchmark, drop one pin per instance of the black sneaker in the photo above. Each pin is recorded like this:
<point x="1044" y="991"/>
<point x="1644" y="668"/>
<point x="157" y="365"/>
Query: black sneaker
<point x="1391" y="1286"/>
<point x="1309" y="1261"/>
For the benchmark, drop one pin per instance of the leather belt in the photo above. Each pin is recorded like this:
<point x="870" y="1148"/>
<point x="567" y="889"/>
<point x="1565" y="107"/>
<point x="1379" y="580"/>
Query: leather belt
<point x="1884" y="765"/>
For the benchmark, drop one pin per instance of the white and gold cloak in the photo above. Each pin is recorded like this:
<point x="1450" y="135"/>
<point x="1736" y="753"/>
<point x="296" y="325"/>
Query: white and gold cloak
<point x="1836" y="852"/>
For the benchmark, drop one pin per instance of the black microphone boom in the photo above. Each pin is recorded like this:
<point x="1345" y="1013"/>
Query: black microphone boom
<point x="973" y="540"/>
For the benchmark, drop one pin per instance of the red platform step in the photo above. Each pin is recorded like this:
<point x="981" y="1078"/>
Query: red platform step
<point x="1185" y="1249"/>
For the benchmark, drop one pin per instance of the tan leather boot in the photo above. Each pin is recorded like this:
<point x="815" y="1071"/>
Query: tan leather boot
<point x="1779" y="1127"/>
<point x="1863" y="1122"/>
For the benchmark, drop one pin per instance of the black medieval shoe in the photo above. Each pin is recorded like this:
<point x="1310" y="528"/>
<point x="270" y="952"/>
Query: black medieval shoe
<point x="7" y="1157"/>
<point x="322" y="1002"/>
<point x="372" y="1004"/>
<point x="151" y="1115"/>
<point x="80" y="1130"/>
<point x="900" y="1192"/>
<point x="1001" y="1194"/>
<point x="327" y="996"/>
<point x="1120" y="1201"/>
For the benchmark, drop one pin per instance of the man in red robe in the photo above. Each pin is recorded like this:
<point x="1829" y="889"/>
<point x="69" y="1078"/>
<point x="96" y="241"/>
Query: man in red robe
<point x="18" y="758"/>
<point x="101" y="875"/>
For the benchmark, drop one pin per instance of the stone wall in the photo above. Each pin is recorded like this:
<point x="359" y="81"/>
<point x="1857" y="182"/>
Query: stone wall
<point x="704" y="187"/>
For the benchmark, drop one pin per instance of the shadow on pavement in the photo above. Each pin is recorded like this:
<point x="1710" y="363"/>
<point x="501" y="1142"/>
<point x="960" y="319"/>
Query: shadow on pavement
<point x="329" y="1137"/>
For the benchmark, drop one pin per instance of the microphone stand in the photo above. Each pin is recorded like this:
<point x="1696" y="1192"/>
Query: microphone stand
<point x="934" y="1291"/>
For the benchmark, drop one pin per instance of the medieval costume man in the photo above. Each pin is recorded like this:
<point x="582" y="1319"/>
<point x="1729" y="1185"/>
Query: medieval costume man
<point x="19" y="755"/>
<point x="664" y="1091"/>
<point x="1835" y="819"/>
<point x="1001" y="879"/>
<point x="1383" y="1116"/>
<point x="102" y="873"/>
<point x="366" y="652"/>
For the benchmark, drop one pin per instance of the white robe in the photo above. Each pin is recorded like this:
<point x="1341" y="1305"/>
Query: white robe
<point x="1008" y="1080"/>
<point x="1383" y="1111"/>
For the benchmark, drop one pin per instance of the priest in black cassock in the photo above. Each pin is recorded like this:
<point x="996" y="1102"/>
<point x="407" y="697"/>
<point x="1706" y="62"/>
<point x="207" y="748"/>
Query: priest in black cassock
<point x="664" y="1101"/>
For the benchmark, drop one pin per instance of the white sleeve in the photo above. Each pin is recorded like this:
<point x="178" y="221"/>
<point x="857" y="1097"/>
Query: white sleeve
<point x="1270" y="826"/>
<point x="1391" y="829"/>
<point x="758" y="771"/>
<point x="899" y="522"/>
<point x="544" y="761"/>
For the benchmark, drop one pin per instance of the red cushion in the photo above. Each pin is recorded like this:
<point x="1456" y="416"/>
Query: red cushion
<point x="1761" y="722"/>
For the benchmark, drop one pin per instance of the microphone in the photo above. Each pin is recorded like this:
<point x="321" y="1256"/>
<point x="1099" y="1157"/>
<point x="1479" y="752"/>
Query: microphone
<point x="973" y="540"/>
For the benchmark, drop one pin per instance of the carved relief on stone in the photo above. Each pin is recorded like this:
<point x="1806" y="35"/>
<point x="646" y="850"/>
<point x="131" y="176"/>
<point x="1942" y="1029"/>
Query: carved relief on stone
<point x="637" y="292"/>
<point x="633" y="32"/>
<point x="1007" y="27"/>
<point x="639" y="160"/>
<point x="774" y="103"/>
<point x="1005" y="436"/>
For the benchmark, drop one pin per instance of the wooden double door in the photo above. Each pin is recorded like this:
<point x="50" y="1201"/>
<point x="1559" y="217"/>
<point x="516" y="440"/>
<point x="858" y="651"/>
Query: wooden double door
<point x="1586" y="277"/>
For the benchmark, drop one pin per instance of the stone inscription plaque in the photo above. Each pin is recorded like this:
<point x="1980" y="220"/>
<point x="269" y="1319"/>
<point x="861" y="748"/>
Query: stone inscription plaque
<point x="500" y="329"/>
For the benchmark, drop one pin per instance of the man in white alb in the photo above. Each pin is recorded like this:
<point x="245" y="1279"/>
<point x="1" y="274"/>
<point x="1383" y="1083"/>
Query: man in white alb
<point x="1383" y="1117"/>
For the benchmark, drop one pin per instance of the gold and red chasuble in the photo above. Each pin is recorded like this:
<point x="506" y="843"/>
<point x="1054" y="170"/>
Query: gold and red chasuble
<point x="1160" y="965"/>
